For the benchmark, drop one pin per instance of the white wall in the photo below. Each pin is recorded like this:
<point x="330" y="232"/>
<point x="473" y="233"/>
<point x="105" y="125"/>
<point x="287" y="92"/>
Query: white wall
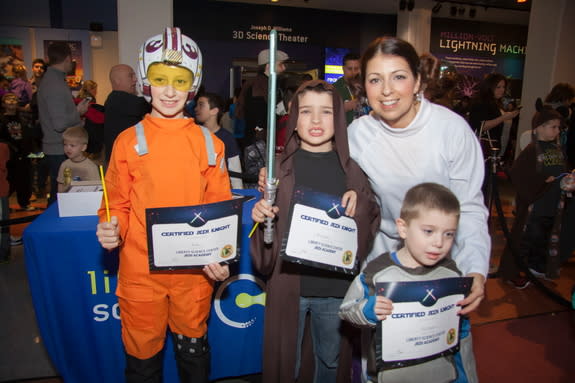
<point x="551" y="27"/>
<point x="565" y="68"/>
<point x="102" y="60"/>
<point x="137" y="21"/>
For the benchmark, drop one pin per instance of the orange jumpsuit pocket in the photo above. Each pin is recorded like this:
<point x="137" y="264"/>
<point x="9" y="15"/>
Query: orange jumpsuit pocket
<point x="138" y="306"/>
<point x="190" y="307"/>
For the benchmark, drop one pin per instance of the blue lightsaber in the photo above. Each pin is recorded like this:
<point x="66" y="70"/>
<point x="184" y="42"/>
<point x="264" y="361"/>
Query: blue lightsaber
<point x="271" y="181"/>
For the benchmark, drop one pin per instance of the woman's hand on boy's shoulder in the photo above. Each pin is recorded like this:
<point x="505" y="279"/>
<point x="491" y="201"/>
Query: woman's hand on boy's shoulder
<point x="349" y="202"/>
<point x="262" y="209"/>
<point x="472" y="301"/>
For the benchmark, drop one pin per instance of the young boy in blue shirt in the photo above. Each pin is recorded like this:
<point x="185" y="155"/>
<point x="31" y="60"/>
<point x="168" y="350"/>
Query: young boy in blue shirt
<point x="427" y="225"/>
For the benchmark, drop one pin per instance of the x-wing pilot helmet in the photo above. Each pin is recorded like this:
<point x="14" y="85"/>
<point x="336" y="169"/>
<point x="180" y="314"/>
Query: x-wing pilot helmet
<point x="171" y="48"/>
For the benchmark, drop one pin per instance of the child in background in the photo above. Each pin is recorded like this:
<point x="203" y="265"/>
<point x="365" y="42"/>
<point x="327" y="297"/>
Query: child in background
<point x="166" y="160"/>
<point x="316" y="146"/>
<point x="209" y="111"/>
<point x="81" y="167"/>
<point x="535" y="177"/>
<point x="16" y="127"/>
<point x="428" y="222"/>
<point x="255" y="158"/>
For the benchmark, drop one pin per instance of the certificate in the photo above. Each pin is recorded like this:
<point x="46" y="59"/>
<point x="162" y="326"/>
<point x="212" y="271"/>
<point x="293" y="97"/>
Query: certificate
<point x="319" y="234"/>
<point x="193" y="236"/>
<point x="424" y="324"/>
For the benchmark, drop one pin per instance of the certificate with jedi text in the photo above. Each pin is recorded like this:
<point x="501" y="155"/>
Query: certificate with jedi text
<point x="193" y="236"/>
<point x="424" y="324"/>
<point x="319" y="234"/>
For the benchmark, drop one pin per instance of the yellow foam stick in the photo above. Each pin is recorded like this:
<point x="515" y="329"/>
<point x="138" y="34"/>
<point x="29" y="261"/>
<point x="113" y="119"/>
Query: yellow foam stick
<point x="105" y="193"/>
<point x="245" y="300"/>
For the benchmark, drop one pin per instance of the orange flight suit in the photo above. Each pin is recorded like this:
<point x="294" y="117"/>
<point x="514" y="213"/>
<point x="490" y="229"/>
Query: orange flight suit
<point x="174" y="172"/>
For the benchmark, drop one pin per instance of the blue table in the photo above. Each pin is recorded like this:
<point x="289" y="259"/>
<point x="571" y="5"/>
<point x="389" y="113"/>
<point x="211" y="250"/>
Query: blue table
<point x="73" y="280"/>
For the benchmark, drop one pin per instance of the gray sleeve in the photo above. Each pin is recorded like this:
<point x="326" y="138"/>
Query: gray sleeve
<point x="355" y="299"/>
<point x="59" y="106"/>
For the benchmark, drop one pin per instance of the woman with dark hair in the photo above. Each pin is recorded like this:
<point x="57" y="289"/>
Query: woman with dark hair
<point x="487" y="113"/>
<point x="430" y="73"/>
<point x="407" y="140"/>
<point x="562" y="94"/>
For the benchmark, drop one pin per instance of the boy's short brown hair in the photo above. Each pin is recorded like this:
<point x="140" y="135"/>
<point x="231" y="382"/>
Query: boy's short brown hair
<point x="77" y="133"/>
<point x="430" y="196"/>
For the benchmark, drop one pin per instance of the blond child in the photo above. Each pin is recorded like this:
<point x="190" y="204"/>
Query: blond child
<point x="81" y="167"/>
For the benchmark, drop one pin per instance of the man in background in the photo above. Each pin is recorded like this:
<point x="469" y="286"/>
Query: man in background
<point x="38" y="69"/>
<point x="57" y="109"/>
<point x="351" y="70"/>
<point x="123" y="108"/>
<point x="253" y="101"/>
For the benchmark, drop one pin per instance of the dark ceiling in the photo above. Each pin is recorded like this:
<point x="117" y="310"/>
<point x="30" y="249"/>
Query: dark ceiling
<point x="387" y="6"/>
<point x="504" y="4"/>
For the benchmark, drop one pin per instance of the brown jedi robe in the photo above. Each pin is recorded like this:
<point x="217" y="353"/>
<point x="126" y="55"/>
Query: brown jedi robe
<point x="283" y="288"/>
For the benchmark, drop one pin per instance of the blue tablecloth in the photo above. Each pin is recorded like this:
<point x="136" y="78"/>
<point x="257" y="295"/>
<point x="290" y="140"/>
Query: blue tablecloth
<point x="73" y="280"/>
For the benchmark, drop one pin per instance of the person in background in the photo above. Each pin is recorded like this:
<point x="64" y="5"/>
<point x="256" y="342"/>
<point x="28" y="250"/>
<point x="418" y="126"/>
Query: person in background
<point x="344" y="85"/>
<point x="427" y="224"/>
<point x="487" y="112"/>
<point x="16" y="126"/>
<point x="93" y="120"/>
<point x="252" y="106"/>
<point x="89" y="89"/>
<point x="430" y="74"/>
<point x="123" y="108"/>
<point x="227" y="122"/>
<point x="255" y="159"/>
<point x="81" y="168"/>
<point x="536" y="177"/>
<point x="562" y="99"/>
<point x="209" y="111"/>
<point x="57" y="109"/>
<point x="39" y="164"/>
<point x="20" y="86"/>
<point x="173" y="168"/>
<point x="38" y="69"/>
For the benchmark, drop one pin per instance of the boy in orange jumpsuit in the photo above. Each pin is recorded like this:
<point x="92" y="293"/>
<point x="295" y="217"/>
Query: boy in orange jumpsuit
<point x="166" y="160"/>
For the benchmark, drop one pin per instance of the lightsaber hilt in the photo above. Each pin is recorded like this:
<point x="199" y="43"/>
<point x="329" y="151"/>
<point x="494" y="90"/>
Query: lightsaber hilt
<point x="270" y="196"/>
